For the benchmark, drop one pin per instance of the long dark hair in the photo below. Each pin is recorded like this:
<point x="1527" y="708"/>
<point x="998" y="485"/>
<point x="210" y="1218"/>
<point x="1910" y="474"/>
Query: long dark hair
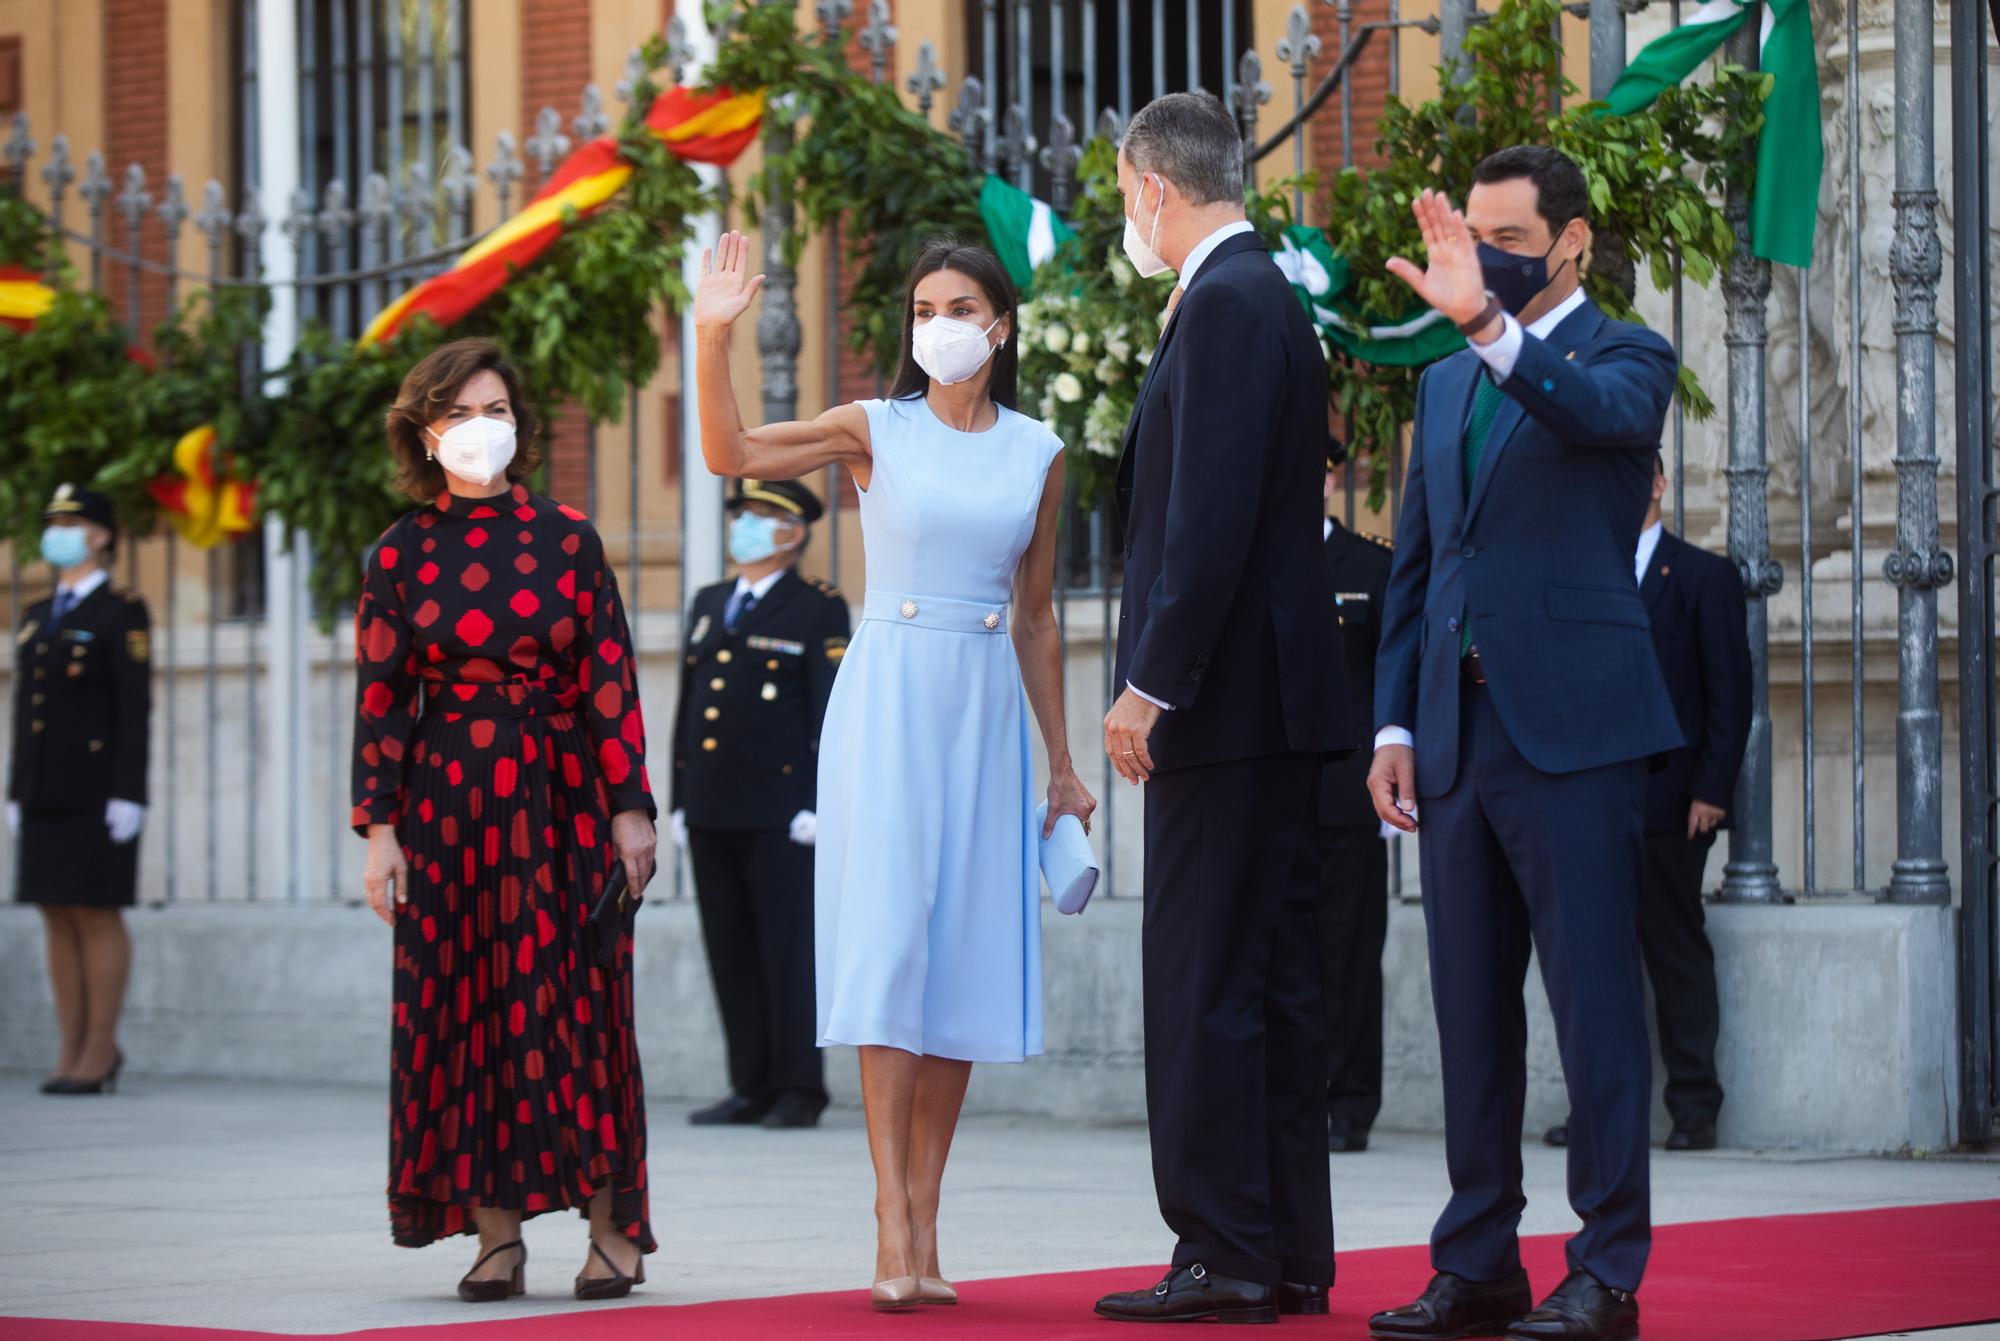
<point x="983" y="268"/>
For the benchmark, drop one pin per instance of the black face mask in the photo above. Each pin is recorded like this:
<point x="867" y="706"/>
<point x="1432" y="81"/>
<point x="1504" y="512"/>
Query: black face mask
<point x="1514" y="279"/>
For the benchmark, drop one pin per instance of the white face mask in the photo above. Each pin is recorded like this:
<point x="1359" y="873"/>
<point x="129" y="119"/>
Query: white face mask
<point x="1139" y="251"/>
<point x="477" y="450"/>
<point x="949" y="350"/>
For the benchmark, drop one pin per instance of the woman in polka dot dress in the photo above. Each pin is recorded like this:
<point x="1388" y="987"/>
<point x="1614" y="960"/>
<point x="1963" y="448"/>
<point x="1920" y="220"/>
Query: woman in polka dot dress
<point x="499" y="777"/>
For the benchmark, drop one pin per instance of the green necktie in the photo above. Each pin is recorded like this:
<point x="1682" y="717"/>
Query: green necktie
<point x="1486" y="397"/>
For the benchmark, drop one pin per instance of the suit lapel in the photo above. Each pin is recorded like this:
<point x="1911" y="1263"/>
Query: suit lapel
<point x="1658" y="569"/>
<point x="772" y="600"/>
<point x="1457" y="378"/>
<point x="1242" y="242"/>
<point x="1575" y="330"/>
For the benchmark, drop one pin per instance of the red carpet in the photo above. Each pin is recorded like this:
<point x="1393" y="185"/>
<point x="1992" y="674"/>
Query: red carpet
<point x="1782" y="1278"/>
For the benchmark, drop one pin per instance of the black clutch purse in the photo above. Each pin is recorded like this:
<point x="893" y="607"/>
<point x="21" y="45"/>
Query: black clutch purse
<point x="610" y="918"/>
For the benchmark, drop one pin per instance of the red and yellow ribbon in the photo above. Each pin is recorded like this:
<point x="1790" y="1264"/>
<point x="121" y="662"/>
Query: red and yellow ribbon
<point x="203" y="508"/>
<point x="695" y="127"/>
<point x="23" y="297"/>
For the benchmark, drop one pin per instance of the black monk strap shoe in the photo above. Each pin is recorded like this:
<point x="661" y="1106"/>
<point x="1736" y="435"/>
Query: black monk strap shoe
<point x="1582" y="1308"/>
<point x="736" y="1111"/>
<point x="1452" y="1306"/>
<point x="1692" y="1137"/>
<point x="1193" y="1293"/>
<point x="1308" y="1301"/>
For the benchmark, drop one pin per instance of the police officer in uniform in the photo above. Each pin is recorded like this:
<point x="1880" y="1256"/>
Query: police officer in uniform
<point x="76" y="785"/>
<point x="1353" y="905"/>
<point x="762" y="651"/>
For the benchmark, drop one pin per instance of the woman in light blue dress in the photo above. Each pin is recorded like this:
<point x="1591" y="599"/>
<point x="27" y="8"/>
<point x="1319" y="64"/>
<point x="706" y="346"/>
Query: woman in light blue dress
<point x="927" y="891"/>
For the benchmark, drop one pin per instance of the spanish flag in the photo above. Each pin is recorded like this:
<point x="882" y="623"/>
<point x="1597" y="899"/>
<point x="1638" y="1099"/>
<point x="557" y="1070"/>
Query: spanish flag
<point x="23" y="297"/>
<point x="203" y="508"/>
<point x="695" y="127"/>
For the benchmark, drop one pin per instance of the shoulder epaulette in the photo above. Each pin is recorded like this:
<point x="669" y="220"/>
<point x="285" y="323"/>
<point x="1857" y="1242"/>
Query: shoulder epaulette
<point x="823" y="587"/>
<point x="1384" y="541"/>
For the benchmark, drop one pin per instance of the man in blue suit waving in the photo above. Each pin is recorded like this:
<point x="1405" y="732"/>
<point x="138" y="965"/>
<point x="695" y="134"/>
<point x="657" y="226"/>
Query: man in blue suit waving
<point x="1517" y="703"/>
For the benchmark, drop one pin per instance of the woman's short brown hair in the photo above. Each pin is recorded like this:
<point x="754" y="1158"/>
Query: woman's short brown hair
<point x="425" y="396"/>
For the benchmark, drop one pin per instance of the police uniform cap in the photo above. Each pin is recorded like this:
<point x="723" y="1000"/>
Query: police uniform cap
<point x="786" y="495"/>
<point x="86" y="504"/>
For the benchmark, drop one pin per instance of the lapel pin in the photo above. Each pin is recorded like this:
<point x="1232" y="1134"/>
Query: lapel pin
<point x="1570" y="355"/>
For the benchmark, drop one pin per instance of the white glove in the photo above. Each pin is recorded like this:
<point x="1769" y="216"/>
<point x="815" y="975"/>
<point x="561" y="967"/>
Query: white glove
<point x="678" y="825"/>
<point x="805" y="828"/>
<point x="13" y="819"/>
<point x="124" y="819"/>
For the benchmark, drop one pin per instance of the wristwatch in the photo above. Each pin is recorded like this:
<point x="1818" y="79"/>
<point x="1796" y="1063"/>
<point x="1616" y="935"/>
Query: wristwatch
<point x="1486" y="314"/>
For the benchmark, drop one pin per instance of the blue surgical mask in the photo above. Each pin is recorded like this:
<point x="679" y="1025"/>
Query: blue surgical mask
<point x="1512" y="278"/>
<point x="752" y="538"/>
<point x="65" y="546"/>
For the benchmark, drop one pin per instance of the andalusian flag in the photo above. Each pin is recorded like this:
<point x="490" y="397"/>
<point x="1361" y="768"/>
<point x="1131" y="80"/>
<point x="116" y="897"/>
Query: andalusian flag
<point x="695" y="127"/>
<point x="1785" y="205"/>
<point x="1025" y="231"/>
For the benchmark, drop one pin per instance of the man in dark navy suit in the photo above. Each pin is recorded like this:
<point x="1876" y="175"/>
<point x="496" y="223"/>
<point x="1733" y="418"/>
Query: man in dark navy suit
<point x="1695" y="600"/>
<point x="1517" y="704"/>
<point x="1231" y="696"/>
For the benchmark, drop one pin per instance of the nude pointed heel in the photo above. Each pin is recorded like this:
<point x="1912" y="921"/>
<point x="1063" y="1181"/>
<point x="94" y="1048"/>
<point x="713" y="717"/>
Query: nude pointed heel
<point x="937" y="1290"/>
<point x="895" y="1294"/>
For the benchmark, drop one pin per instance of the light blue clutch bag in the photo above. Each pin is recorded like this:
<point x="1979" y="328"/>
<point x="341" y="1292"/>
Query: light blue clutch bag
<point x="1067" y="862"/>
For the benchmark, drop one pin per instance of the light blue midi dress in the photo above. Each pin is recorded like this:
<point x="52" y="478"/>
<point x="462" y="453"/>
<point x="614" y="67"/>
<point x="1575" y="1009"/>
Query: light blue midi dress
<point x="927" y="890"/>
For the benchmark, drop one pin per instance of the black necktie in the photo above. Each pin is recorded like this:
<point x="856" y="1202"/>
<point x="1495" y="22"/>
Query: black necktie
<point x="65" y="600"/>
<point x="739" y="606"/>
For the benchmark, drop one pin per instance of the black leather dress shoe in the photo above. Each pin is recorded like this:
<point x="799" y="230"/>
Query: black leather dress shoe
<point x="1452" y="1306"/>
<point x="1344" y="1138"/>
<point x="1309" y="1301"/>
<point x="1557" y="1136"/>
<point x="1582" y="1308"/>
<point x="736" y="1111"/>
<point x="1692" y="1137"/>
<point x="1193" y="1293"/>
<point x="795" y="1109"/>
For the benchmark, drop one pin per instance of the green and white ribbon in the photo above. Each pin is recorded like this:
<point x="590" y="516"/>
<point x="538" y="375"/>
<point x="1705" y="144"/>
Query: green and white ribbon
<point x="1784" y="206"/>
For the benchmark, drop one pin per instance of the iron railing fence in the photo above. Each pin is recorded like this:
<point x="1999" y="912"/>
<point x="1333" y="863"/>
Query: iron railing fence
<point x="1044" y="70"/>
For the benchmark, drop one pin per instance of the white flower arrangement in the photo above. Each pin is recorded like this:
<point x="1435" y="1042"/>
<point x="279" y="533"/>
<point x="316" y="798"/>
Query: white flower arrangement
<point x="1068" y="388"/>
<point x="1056" y="338"/>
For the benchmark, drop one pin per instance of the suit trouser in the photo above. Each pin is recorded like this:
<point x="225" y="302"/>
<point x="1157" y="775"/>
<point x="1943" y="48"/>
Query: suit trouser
<point x="1681" y="966"/>
<point x="1353" y="916"/>
<point x="1513" y="856"/>
<point x="1235" y="1061"/>
<point x="755" y="891"/>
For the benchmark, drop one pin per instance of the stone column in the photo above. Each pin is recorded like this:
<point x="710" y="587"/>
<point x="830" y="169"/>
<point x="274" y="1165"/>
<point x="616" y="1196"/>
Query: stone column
<point x="1917" y="567"/>
<point x="1750" y="874"/>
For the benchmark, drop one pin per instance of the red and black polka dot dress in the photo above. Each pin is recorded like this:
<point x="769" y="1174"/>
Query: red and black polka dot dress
<point x="498" y="729"/>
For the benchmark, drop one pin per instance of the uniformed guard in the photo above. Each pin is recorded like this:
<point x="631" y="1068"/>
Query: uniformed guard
<point x="1353" y="909"/>
<point x="76" y="785"/>
<point x="761" y="654"/>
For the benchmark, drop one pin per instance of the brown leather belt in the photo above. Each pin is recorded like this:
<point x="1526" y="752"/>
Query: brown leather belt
<point x="1469" y="669"/>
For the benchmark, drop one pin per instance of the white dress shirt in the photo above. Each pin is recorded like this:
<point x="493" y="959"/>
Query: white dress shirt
<point x="1499" y="356"/>
<point x="86" y="584"/>
<point x="1202" y="251"/>
<point x="1649" y="541"/>
<point x="758" y="589"/>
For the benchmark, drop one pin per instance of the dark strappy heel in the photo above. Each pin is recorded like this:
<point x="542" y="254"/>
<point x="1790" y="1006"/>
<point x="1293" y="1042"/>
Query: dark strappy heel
<point x="615" y="1286"/>
<point x="493" y="1291"/>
